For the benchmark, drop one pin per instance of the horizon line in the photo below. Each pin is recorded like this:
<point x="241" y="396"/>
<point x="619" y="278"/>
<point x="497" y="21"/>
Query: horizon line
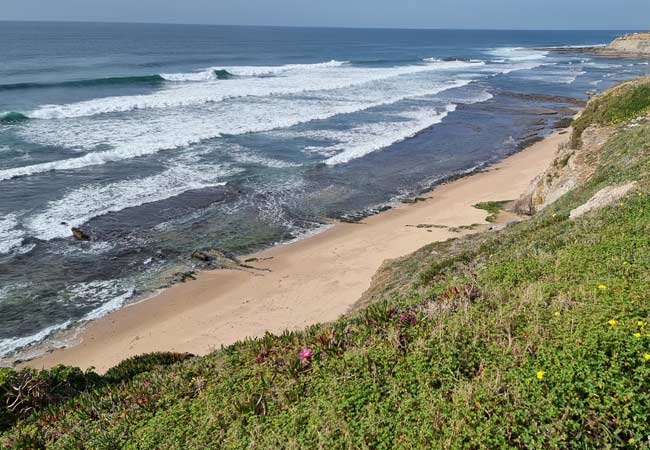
<point x="310" y="26"/>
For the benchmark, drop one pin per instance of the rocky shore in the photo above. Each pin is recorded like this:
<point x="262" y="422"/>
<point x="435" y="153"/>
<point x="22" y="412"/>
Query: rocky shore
<point x="634" y="45"/>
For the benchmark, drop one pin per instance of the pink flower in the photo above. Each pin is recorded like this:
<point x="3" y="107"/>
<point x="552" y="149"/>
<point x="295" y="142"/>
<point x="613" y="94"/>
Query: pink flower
<point x="403" y="318"/>
<point x="306" y="354"/>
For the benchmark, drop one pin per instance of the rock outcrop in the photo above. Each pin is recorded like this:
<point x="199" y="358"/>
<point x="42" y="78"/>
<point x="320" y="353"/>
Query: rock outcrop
<point x="79" y="234"/>
<point x="636" y="44"/>
<point x="602" y="198"/>
<point x="571" y="168"/>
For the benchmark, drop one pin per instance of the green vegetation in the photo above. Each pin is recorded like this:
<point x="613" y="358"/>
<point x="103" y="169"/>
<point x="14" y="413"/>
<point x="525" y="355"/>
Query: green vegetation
<point x="28" y="390"/>
<point x="620" y="104"/>
<point x="493" y="208"/>
<point x="537" y="336"/>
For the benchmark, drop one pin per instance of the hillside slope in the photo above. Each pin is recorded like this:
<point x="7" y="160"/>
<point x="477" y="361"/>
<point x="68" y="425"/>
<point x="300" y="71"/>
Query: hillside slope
<point x="532" y="337"/>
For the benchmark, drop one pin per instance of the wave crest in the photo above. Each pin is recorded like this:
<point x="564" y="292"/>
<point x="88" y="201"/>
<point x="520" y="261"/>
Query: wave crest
<point x="110" y="81"/>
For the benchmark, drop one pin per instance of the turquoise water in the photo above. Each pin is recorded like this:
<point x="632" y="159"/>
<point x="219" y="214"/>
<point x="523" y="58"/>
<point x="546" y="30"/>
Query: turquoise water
<point x="161" y="140"/>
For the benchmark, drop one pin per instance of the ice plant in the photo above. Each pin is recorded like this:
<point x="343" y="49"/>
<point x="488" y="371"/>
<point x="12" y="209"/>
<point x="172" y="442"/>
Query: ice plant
<point x="306" y="354"/>
<point x="540" y="374"/>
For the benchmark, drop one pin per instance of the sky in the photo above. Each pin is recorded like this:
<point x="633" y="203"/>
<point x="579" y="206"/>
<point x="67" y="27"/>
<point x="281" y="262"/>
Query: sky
<point x="493" y="14"/>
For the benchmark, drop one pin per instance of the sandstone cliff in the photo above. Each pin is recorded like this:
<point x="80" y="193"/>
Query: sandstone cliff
<point x="636" y="44"/>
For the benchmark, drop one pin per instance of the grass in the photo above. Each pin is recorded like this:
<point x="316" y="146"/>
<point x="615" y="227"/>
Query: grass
<point x="620" y="104"/>
<point x="493" y="208"/>
<point x="537" y="336"/>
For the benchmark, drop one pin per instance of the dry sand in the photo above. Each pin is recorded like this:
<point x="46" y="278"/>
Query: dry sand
<point x="309" y="281"/>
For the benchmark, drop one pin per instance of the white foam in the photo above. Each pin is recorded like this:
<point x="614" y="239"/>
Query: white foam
<point x="519" y="54"/>
<point x="243" y="156"/>
<point x="454" y="65"/>
<point x="134" y="137"/>
<point x="205" y="75"/>
<point x="365" y="139"/>
<point x="210" y="75"/>
<point x="109" y="295"/>
<point x="368" y="138"/>
<point x="479" y="98"/>
<point x="294" y="79"/>
<point x="265" y="71"/>
<point x="9" y="345"/>
<point x="557" y="76"/>
<point x="110" y="306"/>
<point x="597" y="65"/>
<point x="80" y="205"/>
<point x="10" y="237"/>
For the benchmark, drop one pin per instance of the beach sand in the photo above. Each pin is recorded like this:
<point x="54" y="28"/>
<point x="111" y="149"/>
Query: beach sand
<point x="305" y="282"/>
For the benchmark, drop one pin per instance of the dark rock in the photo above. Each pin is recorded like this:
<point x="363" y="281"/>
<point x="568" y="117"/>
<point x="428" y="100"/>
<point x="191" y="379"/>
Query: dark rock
<point x="352" y="220"/>
<point x="545" y="98"/>
<point x="80" y="234"/>
<point x="456" y="58"/>
<point x="414" y="200"/>
<point x="183" y="277"/>
<point x="202" y="256"/>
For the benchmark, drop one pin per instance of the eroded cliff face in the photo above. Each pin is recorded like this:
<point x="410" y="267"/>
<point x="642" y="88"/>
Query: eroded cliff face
<point x="633" y="44"/>
<point x="571" y="168"/>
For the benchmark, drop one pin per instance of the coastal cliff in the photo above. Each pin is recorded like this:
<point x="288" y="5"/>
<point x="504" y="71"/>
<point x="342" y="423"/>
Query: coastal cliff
<point x="620" y="107"/>
<point x="631" y="44"/>
<point x="535" y="336"/>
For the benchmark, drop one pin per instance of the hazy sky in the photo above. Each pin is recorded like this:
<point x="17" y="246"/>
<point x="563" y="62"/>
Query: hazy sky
<point x="565" y="14"/>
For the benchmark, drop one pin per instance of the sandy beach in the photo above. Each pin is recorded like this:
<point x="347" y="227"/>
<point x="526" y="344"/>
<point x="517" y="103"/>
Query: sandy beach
<point x="305" y="282"/>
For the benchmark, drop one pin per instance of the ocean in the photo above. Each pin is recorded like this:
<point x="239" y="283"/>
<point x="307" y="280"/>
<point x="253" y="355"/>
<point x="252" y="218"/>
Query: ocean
<point x="161" y="140"/>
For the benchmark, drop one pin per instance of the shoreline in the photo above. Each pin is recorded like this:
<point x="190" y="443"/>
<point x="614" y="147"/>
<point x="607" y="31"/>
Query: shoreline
<point x="300" y="283"/>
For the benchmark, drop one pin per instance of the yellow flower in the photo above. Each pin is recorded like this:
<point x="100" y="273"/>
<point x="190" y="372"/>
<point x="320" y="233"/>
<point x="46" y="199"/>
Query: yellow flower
<point x="540" y="374"/>
<point x="637" y="335"/>
<point x="631" y="441"/>
<point x="640" y="324"/>
<point x="557" y="314"/>
<point x="612" y="322"/>
<point x="602" y="287"/>
<point x="646" y="356"/>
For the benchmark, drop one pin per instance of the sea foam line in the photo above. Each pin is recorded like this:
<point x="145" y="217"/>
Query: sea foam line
<point x="83" y="204"/>
<point x="168" y="135"/>
<point x="367" y="139"/>
<point x="10" y="237"/>
<point x="11" y="345"/>
<point x="295" y="79"/>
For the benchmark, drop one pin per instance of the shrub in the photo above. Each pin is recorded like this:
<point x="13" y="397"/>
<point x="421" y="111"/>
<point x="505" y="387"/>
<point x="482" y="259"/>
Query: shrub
<point x="625" y="102"/>
<point x="27" y="390"/>
<point x="129" y="368"/>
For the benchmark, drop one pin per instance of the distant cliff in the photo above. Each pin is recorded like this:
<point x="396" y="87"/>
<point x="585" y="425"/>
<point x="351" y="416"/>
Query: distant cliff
<point x="632" y="44"/>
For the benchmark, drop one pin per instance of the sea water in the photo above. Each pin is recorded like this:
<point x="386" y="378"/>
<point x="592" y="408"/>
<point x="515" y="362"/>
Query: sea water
<point x="159" y="140"/>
